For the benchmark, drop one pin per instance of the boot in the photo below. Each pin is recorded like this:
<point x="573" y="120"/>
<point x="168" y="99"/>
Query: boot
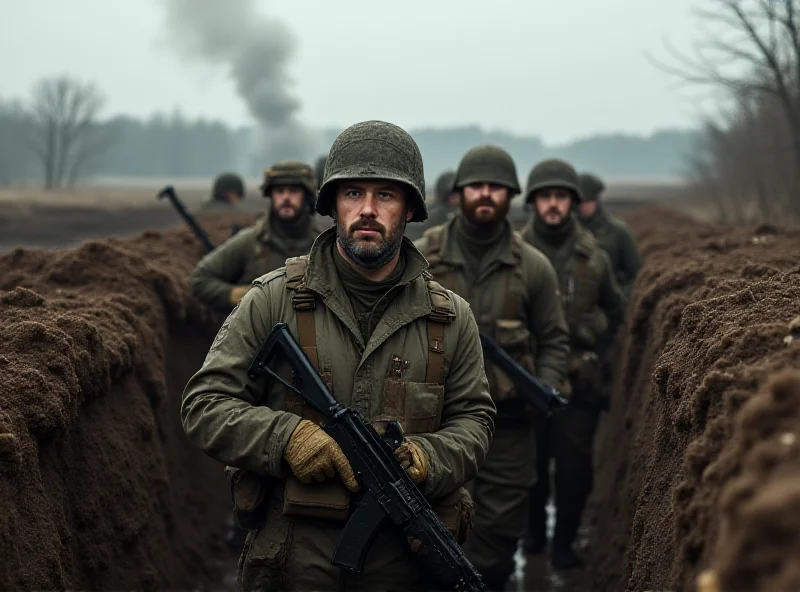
<point x="562" y="555"/>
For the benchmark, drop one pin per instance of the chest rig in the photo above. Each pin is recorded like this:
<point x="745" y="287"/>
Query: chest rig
<point x="304" y="303"/>
<point x="509" y="330"/>
<point x="444" y="274"/>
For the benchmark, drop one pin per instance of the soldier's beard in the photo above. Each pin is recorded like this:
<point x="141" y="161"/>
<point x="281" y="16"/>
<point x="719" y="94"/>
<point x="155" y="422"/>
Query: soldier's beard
<point x="370" y="254"/>
<point x="484" y="219"/>
<point x="281" y="211"/>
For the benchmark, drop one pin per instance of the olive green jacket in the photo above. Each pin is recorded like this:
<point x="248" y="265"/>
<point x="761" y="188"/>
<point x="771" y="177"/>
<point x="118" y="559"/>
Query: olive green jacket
<point x="247" y="255"/>
<point x="615" y="238"/>
<point x="531" y="280"/>
<point x="241" y="422"/>
<point x="587" y="286"/>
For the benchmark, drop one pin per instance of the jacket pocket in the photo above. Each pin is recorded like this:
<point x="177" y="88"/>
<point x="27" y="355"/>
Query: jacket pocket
<point x="249" y="492"/>
<point x="263" y="563"/>
<point x="423" y="411"/>
<point x="456" y="511"/>
<point x="417" y="405"/>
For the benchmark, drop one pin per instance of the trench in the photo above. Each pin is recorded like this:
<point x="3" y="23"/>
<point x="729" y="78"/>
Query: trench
<point x="696" y="461"/>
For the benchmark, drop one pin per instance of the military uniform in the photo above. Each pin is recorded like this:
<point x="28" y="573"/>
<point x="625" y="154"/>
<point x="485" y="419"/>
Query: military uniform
<point x="223" y="184"/>
<point x="613" y="236"/>
<point x="440" y="211"/>
<point x="255" y="251"/>
<point x="513" y="292"/>
<point x="593" y="304"/>
<point x="420" y="364"/>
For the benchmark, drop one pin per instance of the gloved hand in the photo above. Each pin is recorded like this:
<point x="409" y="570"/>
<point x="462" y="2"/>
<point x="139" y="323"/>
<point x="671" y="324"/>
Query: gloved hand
<point x="237" y="293"/>
<point x="313" y="455"/>
<point x="414" y="460"/>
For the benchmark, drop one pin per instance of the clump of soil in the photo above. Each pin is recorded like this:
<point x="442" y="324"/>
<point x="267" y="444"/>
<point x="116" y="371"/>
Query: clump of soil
<point x="99" y="487"/>
<point x="707" y="328"/>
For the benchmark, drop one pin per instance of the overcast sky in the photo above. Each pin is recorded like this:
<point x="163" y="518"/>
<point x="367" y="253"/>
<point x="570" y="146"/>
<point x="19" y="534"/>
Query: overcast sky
<point x="560" y="69"/>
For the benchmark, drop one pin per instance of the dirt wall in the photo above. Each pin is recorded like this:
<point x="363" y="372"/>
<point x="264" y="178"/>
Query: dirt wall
<point x="99" y="487"/>
<point x="691" y="471"/>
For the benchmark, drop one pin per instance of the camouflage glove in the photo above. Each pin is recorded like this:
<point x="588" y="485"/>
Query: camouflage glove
<point x="313" y="455"/>
<point x="237" y="293"/>
<point x="414" y="460"/>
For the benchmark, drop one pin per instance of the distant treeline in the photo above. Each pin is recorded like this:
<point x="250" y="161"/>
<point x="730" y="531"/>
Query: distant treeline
<point x="174" y="146"/>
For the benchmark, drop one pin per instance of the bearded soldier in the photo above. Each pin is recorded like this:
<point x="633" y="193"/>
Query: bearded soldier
<point x="226" y="193"/>
<point x="593" y="304"/>
<point x="612" y="234"/>
<point x="390" y="342"/>
<point x="513" y="291"/>
<point x="223" y="276"/>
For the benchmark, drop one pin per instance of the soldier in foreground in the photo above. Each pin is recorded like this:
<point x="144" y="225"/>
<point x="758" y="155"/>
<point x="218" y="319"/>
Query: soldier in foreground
<point x="512" y="290"/>
<point x="223" y="276"/>
<point x="443" y="209"/>
<point x="612" y="234"/>
<point x="390" y="342"/>
<point x="226" y="193"/>
<point x="593" y="304"/>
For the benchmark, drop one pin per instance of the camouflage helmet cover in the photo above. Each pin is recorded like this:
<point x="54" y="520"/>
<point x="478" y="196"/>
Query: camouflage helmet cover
<point x="487" y="164"/>
<point x="444" y="185"/>
<point x="374" y="150"/>
<point x="591" y="186"/>
<point x="225" y="183"/>
<point x="553" y="173"/>
<point x="290" y="172"/>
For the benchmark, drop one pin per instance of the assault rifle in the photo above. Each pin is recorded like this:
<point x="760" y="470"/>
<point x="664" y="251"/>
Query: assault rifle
<point x="169" y="192"/>
<point x="543" y="397"/>
<point x="388" y="495"/>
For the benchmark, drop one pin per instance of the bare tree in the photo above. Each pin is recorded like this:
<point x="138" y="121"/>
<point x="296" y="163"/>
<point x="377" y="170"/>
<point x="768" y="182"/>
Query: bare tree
<point x="750" y="49"/>
<point x="67" y="134"/>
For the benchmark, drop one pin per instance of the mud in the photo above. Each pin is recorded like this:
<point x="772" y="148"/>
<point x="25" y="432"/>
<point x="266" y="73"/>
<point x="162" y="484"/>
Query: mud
<point x="99" y="487"/>
<point x="693" y="468"/>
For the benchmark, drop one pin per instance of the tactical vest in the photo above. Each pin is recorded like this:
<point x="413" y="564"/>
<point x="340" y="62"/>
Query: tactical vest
<point x="330" y="499"/>
<point x="509" y="330"/>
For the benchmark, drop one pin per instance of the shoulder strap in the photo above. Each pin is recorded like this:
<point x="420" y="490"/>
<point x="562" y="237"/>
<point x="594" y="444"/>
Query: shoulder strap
<point x="443" y="313"/>
<point x="510" y="307"/>
<point x="303" y="302"/>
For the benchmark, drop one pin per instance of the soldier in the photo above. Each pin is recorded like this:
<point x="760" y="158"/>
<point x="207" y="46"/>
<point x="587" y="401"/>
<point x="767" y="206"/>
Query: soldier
<point x="513" y="292"/>
<point x="612" y="234"/>
<point x="223" y="276"/>
<point x="593" y="304"/>
<point x="226" y="193"/>
<point x="392" y="344"/>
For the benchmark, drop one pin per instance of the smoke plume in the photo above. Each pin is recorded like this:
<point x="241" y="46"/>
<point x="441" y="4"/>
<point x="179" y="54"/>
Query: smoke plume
<point x="256" y="51"/>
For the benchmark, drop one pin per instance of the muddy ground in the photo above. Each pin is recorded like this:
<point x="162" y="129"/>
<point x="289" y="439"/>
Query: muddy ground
<point x="697" y="459"/>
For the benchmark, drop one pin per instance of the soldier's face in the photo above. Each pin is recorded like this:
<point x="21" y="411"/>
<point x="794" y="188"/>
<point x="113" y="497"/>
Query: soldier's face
<point x="288" y="202"/>
<point x="553" y="205"/>
<point x="587" y="209"/>
<point x="485" y="204"/>
<point x="370" y="219"/>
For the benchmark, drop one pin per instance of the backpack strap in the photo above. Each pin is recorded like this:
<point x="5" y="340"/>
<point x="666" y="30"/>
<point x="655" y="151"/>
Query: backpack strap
<point x="303" y="302"/>
<point x="442" y="315"/>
